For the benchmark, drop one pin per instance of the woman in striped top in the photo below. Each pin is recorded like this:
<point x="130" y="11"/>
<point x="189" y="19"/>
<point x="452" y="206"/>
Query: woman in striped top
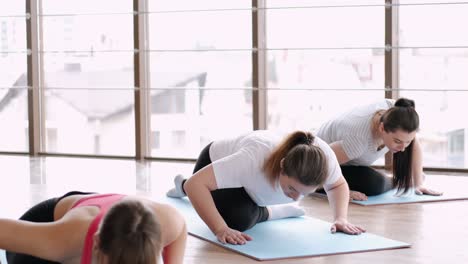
<point x="364" y="134"/>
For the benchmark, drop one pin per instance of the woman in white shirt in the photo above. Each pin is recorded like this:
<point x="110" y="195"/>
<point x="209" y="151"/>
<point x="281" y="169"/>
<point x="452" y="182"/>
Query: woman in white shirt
<point x="249" y="179"/>
<point x="364" y="134"/>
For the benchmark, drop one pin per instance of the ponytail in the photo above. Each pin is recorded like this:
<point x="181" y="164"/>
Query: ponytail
<point x="301" y="160"/>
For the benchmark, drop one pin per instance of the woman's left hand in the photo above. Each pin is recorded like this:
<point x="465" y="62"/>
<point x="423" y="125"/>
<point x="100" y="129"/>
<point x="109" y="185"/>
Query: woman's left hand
<point x="423" y="190"/>
<point x="342" y="225"/>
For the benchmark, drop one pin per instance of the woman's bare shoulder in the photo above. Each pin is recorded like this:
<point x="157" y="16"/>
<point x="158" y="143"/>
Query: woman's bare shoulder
<point x="171" y="220"/>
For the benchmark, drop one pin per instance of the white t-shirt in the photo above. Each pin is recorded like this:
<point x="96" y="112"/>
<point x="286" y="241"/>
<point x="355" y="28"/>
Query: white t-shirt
<point x="354" y="130"/>
<point x="238" y="162"/>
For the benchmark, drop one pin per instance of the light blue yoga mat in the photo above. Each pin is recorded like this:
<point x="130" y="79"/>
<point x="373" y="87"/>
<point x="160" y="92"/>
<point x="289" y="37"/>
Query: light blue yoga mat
<point x="391" y="197"/>
<point x="453" y="188"/>
<point x="288" y="238"/>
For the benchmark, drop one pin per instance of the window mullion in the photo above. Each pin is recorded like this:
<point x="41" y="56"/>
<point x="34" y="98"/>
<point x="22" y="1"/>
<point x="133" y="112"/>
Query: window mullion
<point x="33" y="76"/>
<point x="141" y="77"/>
<point x="259" y="95"/>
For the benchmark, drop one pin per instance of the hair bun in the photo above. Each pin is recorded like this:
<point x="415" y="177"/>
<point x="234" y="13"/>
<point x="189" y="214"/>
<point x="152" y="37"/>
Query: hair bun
<point x="309" y="138"/>
<point x="404" y="102"/>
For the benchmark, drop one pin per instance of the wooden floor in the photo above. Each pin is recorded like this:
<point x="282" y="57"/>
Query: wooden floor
<point x="437" y="231"/>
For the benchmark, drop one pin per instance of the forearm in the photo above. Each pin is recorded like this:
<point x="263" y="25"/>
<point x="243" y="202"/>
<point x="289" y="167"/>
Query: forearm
<point x="41" y="237"/>
<point x="8" y="228"/>
<point x="418" y="179"/>
<point x="203" y="202"/>
<point x="338" y="197"/>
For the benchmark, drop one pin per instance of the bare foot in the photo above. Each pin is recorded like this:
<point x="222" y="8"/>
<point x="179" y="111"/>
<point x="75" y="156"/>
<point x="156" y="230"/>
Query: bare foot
<point x="357" y="196"/>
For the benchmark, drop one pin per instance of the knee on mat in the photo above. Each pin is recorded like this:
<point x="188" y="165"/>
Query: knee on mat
<point x="378" y="185"/>
<point x="239" y="220"/>
<point x="241" y="224"/>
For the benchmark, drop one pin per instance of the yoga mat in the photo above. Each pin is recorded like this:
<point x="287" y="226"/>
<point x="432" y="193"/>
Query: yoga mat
<point x="391" y="197"/>
<point x="288" y="238"/>
<point x="453" y="188"/>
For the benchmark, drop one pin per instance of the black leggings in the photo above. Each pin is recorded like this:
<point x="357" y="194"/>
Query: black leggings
<point x="40" y="213"/>
<point x="366" y="180"/>
<point x="234" y="204"/>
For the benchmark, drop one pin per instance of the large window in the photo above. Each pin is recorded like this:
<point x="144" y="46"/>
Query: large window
<point x="200" y="64"/>
<point x="88" y="79"/>
<point x="13" y="72"/>
<point x="196" y="58"/>
<point x="433" y="66"/>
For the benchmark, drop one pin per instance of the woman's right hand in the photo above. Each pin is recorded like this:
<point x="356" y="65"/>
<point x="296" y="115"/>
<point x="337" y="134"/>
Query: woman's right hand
<point x="357" y="196"/>
<point x="232" y="236"/>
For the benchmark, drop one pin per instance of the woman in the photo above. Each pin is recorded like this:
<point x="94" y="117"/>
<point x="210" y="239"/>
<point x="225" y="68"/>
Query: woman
<point x="95" y="228"/>
<point x="250" y="179"/>
<point x="364" y="134"/>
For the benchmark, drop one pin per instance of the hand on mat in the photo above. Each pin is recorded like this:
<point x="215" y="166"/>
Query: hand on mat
<point x="346" y="227"/>
<point x="357" y="196"/>
<point x="423" y="190"/>
<point x="231" y="236"/>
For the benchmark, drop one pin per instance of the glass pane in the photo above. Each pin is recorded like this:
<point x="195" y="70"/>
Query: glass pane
<point x="89" y="79"/>
<point x="14" y="119"/>
<point x="198" y="117"/>
<point x="89" y="70"/>
<point x="427" y="25"/>
<point x="12" y="8"/>
<point x="164" y="5"/>
<point x="13" y="71"/>
<point x="86" y="6"/>
<point x="12" y="35"/>
<point x="201" y="30"/>
<point x="95" y="122"/>
<point x="320" y="3"/>
<point x="215" y="103"/>
<point x="424" y="72"/>
<point x="13" y="94"/>
<point x="188" y="108"/>
<point x="443" y="136"/>
<point x="87" y="33"/>
<point x="95" y="99"/>
<point x="308" y="109"/>
<point x="349" y="26"/>
<point x="340" y="79"/>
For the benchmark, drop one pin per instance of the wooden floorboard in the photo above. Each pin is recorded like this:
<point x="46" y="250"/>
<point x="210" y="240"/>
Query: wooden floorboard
<point x="438" y="231"/>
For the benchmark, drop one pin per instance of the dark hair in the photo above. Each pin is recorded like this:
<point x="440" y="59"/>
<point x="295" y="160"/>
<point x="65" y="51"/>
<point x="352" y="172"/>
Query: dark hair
<point x="402" y="116"/>
<point x="130" y="234"/>
<point x="302" y="160"/>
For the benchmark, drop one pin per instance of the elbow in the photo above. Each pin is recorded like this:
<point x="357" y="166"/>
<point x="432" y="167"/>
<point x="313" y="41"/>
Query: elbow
<point x="339" y="184"/>
<point x="192" y="187"/>
<point x="200" y="183"/>
<point x="189" y="186"/>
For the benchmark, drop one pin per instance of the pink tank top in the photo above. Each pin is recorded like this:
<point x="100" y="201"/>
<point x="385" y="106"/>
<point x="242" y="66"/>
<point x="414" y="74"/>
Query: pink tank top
<point x="104" y="202"/>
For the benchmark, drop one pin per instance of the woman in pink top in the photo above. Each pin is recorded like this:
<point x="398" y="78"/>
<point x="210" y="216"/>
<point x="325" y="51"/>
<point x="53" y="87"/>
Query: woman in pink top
<point x="95" y="228"/>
